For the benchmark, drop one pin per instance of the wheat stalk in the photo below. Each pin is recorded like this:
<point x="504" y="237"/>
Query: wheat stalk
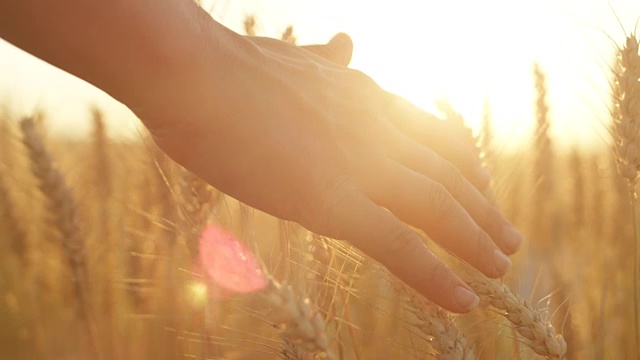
<point x="250" y="25"/>
<point x="543" y="163"/>
<point x="197" y="203"/>
<point x="455" y="122"/>
<point x="538" y="333"/>
<point x="63" y="210"/>
<point x="626" y="114"/>
<point x="296" y="320"/>
<point x="626" y="133"/>
<point x="578" y="213"/>
<point x="101" y="157"/>
<point x="61" y="204"/>
<point x="290" y="351"/>
<point x="11" y="225"/>
<point x="288" y="35"/>
<point x="485" y="141"/>
<point x="439" y="327"/>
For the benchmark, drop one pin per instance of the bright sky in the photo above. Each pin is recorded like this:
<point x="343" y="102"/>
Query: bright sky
<point x="468" y="51"/>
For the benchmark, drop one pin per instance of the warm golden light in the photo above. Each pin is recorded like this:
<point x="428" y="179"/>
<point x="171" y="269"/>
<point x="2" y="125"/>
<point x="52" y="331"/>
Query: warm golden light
<point x="295" y="222"/>
<point x="470" y="52"/>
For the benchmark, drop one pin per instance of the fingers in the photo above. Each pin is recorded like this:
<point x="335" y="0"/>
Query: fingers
<point x="427" y="205"/>
<point x="347" y="214"/>
<point x="428" y="130"/>
<point x="342" y="46"/>
<point x="339" y="49"/>
<point x="486" y="216"/>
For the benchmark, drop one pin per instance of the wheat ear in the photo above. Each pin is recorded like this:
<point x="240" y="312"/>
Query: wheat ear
<point x="62" y="206"/>
<point x="296" y="320"/>
<point x="538" y="333"/>
<point x="290" y="351"/>
<point x="542" y="168"/>
<point x="63" y="210"/>
<point x="626" y="134"/>
<point x="626" y="113"/>
<point x="439" y="326"/>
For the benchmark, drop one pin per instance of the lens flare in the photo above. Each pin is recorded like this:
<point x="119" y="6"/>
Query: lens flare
<point x="228" y="264"/>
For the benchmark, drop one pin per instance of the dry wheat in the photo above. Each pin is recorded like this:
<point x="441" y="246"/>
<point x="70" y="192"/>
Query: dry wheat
<point x="626" y="111"/>
<point x="63" y="211"/>
<point x="62" y="206"/>
<point x="10" y="226"/>
<point x="296" y="320"/>
<point x="626" y="134"/>
<point x="539" y="334"/>
<point x="439" y="327"/>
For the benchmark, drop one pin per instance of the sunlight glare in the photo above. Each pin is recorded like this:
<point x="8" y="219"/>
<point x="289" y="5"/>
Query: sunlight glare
<point x="472" y="52"/>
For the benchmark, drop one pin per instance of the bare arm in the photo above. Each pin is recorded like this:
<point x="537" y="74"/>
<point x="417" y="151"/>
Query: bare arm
<point x="133" y="50"/>
<point x="283" y="130"/>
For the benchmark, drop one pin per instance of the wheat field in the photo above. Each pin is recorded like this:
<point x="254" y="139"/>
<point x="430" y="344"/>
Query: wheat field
<point x="100" y="238"/>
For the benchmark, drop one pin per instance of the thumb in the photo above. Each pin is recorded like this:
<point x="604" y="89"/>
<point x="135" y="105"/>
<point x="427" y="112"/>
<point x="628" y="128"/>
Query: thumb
<point x="339" y="49"/>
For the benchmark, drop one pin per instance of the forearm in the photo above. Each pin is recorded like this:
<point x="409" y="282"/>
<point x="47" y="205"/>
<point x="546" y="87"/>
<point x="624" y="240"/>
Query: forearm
<point x="132" y="49"/>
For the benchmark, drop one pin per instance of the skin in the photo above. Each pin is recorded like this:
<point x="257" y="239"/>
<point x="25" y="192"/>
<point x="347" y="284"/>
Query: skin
<point x="288" y="130"/>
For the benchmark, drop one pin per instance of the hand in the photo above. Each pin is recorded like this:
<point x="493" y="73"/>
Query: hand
<point x="308" y="140"/>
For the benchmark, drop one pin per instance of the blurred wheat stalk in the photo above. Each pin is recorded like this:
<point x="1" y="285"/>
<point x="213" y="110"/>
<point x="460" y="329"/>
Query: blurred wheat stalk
<point x="626" y="133"/>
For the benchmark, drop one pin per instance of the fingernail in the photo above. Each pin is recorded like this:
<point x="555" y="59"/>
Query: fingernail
<point x="512" y="237"/>
<point x="501" y="262"/>
<point x="466" y="298"/>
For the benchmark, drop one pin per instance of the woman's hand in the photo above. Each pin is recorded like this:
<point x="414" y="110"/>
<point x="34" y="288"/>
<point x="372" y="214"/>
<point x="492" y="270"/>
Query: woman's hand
<point x="308" y="140"/>
<point x="284" y="130"/>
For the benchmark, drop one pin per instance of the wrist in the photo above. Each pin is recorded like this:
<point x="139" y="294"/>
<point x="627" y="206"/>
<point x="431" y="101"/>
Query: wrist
<point x="195" y="71"/>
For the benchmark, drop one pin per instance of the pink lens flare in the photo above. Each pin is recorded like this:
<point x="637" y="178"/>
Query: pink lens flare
<point x="229" y="264"/>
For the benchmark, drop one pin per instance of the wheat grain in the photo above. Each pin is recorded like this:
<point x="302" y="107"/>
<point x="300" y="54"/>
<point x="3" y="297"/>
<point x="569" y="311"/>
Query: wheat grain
<point x="62" y="206"/>
<point x="296" y="320"/>
<point x="439" y="326"/>
<point x="543" y="163"/>
<point x="292" y="352"/>
<point x="539" y="334"/>
<point x="63" y="211"/>
<point x="626" y="110"/>
<point x="626" y="126"/>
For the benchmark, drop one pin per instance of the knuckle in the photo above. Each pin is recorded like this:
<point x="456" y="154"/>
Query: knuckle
<point x="402" y="241"/>
<point x="436" y="272"/>
<point x="365" y="149"/>
<point x="441" y="202"/>
<point x="363" y="85"/>
<point x="452" y="179"/>
<point x="490" y="219"/>
<point x="321" y="208"/>
<point x="482" y="252"/>
<point x="482" y="244"/>
<point x="334" y="191"/>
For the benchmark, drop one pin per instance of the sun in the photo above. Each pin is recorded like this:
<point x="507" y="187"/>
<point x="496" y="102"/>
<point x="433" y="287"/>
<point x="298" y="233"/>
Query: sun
<point x="478" y="53"/>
